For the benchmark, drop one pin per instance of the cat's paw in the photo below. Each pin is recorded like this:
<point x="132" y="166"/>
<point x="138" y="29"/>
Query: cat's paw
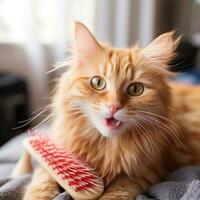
<point x="35" y="192"/>
<point x="116" y="195"/>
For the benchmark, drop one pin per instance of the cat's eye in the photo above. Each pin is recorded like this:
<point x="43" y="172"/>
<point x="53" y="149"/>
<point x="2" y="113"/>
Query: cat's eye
<point x="98" y="83"/>
<point x="135" y="89"/>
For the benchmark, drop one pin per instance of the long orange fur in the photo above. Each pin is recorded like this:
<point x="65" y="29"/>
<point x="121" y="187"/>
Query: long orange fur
<point x="165" y="136"/>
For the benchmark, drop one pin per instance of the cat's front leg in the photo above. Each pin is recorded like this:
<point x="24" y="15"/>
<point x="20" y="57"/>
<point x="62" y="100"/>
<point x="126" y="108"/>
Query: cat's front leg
<point x="42" y="186"/>
<point x="122" y="188"/>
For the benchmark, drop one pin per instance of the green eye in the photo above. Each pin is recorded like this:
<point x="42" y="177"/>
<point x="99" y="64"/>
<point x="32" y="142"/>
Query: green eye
<point x="135" y="89"/>
<point x="98" y="83"/>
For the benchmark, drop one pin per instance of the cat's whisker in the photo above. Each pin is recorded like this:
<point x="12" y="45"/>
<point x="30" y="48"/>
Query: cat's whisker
<point x="95" y="107"/>
<point x="159" y="116"/>
<point x="145" y="133"/>
<point x="151" y="123"/>
<point x="42" y="108"/>
<point x="28" y="121"/>
<point x="72" y="58"/>
<point x="69" y="44"/>
<point x="172" y="124"/>
<point x="78" y="112"/>
<point x="161" y="131"/>
<point x="80" y="109"/>
<point x="44" y="121"/>
<point x="166" y="129"/>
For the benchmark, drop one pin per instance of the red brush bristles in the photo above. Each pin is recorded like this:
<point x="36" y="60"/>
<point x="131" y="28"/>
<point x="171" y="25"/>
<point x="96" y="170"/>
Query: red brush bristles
<point x="65" y="165"/>
<point x="73" y="175"/>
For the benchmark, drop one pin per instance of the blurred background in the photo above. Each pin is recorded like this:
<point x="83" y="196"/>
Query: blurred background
<point x="34" y="35"/>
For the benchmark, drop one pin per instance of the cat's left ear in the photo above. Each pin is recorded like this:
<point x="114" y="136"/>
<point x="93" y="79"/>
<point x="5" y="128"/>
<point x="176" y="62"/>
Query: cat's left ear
<point x="85" y="43"/>
<point x="162" y="49"/>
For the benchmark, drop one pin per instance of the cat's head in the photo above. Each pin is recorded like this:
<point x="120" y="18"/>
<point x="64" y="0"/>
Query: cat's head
<point x="119" y="89"/>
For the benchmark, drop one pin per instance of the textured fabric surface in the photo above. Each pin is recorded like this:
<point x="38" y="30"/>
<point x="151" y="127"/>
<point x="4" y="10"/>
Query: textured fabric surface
<point x="184" y="184"/>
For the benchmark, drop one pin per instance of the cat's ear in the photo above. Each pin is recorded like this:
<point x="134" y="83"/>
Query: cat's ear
<point x="85" y="43"/>
<point x="162" y="49"/>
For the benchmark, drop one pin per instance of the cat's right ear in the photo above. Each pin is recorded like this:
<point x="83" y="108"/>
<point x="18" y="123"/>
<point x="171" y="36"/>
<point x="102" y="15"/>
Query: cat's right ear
<point x="162" y="49"/>
<point x="85" y="43"/>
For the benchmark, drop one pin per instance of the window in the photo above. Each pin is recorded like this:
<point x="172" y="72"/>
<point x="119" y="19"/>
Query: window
<point x="47" y="21"/>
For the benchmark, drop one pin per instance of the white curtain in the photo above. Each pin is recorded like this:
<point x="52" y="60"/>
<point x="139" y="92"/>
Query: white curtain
<point x="42" y="28"/>
<point x="125" y="22"/>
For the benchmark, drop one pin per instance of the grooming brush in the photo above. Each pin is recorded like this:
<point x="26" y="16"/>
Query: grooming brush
<point x="78" y="179"/>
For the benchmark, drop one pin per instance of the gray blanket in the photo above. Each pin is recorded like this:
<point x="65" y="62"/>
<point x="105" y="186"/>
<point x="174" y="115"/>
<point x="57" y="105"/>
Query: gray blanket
<point x="184" y="184"/>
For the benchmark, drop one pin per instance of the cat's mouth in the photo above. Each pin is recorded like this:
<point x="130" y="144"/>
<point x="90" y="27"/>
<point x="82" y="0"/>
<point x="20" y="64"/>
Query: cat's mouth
<point x="112" y="123"/>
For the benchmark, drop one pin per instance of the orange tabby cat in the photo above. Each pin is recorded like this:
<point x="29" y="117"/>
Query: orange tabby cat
<point x="116" y="109"/>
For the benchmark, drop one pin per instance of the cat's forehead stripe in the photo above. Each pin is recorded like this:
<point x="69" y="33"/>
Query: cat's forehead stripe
<point x="129" y="72"/>
<point x="105" y="69"/>
<point x="137" y="69"/>
<point x="110" y="54"/>
<point x="138" y="73"/>
<point x="108" y="71"/>
<point x="121" y="64"/>
<point x="101" y="68"/>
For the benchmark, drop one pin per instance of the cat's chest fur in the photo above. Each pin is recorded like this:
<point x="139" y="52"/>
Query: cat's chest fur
<point x="113" y="156"/>
<point x="110" y="157"/>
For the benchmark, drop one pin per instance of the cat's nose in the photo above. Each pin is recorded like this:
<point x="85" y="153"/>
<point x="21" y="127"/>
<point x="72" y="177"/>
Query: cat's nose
<point x="114" y="108"/>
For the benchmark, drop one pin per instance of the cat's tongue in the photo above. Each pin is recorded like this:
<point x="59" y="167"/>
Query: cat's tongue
<point x="112" y="123"/>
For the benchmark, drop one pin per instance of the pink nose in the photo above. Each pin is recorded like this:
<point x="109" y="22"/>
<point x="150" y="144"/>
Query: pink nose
<point x="114" y="108"/>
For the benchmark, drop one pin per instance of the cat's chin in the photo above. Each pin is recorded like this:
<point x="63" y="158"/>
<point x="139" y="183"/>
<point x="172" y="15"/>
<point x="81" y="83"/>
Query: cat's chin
<point x="110" y="133"/>
<point x="108" y="129"/>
